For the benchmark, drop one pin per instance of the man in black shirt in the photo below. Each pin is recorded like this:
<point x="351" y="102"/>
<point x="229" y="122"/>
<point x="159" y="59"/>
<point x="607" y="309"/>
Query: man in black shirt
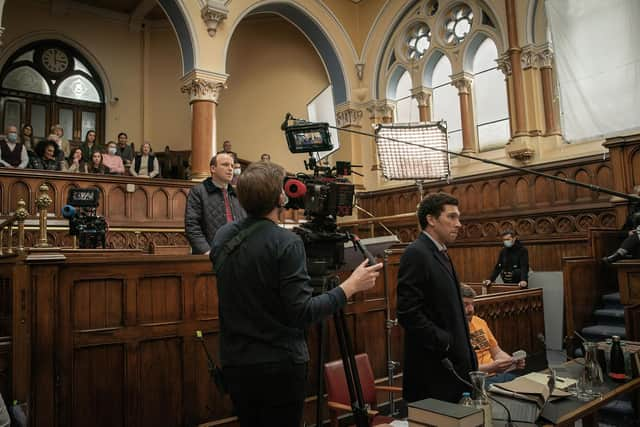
<point x="265" y="302"/>
<point x="513" y="262"/>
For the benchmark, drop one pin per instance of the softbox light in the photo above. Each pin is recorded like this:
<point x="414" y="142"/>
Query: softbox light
<point x="413" y="151"/>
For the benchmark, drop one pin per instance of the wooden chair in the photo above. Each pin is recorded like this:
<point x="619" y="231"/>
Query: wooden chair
<point x="339" y="400"/>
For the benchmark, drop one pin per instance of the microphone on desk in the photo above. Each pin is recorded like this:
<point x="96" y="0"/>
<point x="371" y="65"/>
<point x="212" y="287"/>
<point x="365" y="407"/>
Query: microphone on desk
<point x="449" y="366"/>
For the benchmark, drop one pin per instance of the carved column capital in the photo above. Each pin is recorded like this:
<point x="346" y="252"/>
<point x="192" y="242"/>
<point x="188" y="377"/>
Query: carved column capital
<point x="422" y="95"/>
<point x="544" y="56"/>
<point x="213" y="13"/>
<point x="202" y="90"/>
<point x="349" y="117"/>
<point x="504" y="64"/>
<point x="381" y="111"/>
<point x="462" y="81"/>
<point x="203" y="85"/>
<point x="529" y="57"/>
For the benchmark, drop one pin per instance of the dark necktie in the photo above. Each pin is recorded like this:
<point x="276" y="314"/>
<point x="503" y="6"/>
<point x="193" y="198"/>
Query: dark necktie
<point x="227" y="205"/>
<point x="447" y="260"/>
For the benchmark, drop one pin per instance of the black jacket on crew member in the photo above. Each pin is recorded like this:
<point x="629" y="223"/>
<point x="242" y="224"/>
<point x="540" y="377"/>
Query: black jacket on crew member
<point x="431" y="312"/>
<point x="515" y="260"/>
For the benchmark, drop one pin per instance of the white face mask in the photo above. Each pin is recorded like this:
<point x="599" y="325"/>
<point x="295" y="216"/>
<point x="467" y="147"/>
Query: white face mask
<point x="508" y="243"/>
<point x="237" y="171"/>
<point x="112" y="150"/>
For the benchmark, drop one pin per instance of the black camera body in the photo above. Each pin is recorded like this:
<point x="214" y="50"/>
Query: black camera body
<point x="84" y="223"/>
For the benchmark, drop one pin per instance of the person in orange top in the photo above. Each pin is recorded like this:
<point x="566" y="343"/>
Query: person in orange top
<point x="491" y="358"/>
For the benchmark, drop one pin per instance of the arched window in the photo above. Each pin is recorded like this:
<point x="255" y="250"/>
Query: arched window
<point x="47" y="83"/>
<point x="446" y="105"/>
<point x="490" y="98"/>
<point x="400" y="92"/>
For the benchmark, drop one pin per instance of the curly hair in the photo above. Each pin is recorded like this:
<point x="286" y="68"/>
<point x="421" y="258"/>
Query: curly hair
<point x="42" y="146"/>
<point x="433" y="205"/>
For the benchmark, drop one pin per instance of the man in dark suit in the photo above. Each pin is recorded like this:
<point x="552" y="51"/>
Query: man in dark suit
<point x="430" y="307"/>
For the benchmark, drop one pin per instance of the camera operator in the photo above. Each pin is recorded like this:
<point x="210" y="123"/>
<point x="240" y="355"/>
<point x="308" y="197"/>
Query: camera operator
<point x="265" y="302"/>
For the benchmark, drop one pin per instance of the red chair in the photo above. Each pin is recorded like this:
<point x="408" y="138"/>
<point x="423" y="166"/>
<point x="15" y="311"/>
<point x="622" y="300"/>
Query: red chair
<point x="338" y="392"/>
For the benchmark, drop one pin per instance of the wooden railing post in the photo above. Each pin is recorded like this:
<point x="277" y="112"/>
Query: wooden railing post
<point x="43" y="202"/>
<point x="21" y="215"/>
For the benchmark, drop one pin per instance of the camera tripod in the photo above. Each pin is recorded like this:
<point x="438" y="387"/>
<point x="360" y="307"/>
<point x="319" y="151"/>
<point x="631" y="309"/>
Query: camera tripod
<point x="327" y="282"/>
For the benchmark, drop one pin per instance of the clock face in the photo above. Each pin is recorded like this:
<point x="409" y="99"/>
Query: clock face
<point x="55" y="60"/>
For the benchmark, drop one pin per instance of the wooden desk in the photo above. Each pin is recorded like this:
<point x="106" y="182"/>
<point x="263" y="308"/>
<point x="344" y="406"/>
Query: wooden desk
<point x="566" y="412"/>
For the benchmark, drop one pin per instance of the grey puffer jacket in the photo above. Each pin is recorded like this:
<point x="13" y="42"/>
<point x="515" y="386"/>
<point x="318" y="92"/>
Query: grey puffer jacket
<point x="205" y="214"/>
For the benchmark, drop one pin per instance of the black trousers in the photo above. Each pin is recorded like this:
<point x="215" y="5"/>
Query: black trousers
<point x="270" y="394"/>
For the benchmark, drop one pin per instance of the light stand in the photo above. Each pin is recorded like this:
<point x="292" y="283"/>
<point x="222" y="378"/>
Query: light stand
<point x="389" y="324"/>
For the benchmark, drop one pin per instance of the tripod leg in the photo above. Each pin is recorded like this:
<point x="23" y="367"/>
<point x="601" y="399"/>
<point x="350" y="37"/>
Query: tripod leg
<point x="320" y="372"/>
<point x="351" y="371"/>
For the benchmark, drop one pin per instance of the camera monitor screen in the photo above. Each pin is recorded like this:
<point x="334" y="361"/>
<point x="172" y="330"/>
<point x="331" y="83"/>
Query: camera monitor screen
<point x="308" y="138"/>
<point x="83" y="197"/>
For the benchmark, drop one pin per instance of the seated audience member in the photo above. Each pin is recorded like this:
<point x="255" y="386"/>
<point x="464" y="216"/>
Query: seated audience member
<point x="75" y="163"/>
<point x="90" y="145"/>
<point x="265" y="157"/>
<point x="513" y="262"/>
<point x="630" y="246"/>
<point x="145" y="164"/>
<point x="491" y="358"/>
<point x="111" y="159"/>
<point x="27" y="138"/>
<point x="63" y="143"/>
<point x="124" y="149"/>
<point x="54" y="138"/>
<point x="13" y="153"/>
<point x="47" y="157"/>
<point x="96" y="165"/>
<point x="226" y="148"/>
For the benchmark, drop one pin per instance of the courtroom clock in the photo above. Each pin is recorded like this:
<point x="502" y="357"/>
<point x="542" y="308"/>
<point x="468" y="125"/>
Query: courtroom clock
<point x="54" y="60"/>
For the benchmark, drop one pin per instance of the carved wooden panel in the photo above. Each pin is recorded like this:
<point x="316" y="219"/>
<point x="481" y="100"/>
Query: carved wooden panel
<point x="98" y="303"/>
<point x="161" y="377"/>
<point x="99" y="392"/>
<point x="206" y="297"/>
<point x="159" y="299"/>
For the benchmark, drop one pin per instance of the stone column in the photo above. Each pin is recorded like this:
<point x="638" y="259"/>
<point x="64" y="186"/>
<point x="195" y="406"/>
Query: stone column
<point x="203" y="97"/>
<point x="349" y="117"/>
<point x="423" y="96"/>
<point x="514" y="53"/>
<point x="462" y="81"/>
<point x="504" y="65"/>
<point x="545" y="59"/>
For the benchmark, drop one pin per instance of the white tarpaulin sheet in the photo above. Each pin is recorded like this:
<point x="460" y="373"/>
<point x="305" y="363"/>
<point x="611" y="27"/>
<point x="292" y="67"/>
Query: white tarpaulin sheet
<point x="597" y="60"/>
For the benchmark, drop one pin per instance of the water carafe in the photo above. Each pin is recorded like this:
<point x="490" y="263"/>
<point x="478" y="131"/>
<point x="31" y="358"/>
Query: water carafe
<point x="479" y="395"/>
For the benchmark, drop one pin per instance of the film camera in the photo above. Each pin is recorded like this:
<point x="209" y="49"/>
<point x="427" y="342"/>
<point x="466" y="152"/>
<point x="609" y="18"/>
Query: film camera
<point x="84" y="223"/>
<point x="324" y="194"/>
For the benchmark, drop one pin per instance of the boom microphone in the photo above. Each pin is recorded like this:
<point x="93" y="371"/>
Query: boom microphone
<point x="449" y="366"/>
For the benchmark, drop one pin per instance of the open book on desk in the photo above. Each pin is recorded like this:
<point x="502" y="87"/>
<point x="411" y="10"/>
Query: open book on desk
<point x="525" y="396"/>
<point x="529" y="388"/>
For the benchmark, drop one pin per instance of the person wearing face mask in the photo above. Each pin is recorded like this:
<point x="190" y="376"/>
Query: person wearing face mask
<point x="237" y="170"/>
<point x="13" y="154"/>
<point x="513" y="262"/>
<point x="111" y="159"/>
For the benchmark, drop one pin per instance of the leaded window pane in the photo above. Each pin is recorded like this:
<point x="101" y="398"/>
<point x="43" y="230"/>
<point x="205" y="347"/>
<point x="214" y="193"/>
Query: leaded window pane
<point x="26" y="79"/>
<point x="78" y="87"/>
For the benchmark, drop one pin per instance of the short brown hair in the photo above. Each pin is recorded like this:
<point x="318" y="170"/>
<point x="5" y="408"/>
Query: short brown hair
<point x="214" y="159"/>
<point x="433" y="205"/>
<point x="259" y="187"/>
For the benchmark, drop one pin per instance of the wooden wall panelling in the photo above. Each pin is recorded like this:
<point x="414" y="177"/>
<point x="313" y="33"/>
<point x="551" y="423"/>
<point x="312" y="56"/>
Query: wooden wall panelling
<point x="161" y="200"/>
<point x="632" y="321"/>
<point x="628" y="272"/>
<point x="580" y="281"/>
